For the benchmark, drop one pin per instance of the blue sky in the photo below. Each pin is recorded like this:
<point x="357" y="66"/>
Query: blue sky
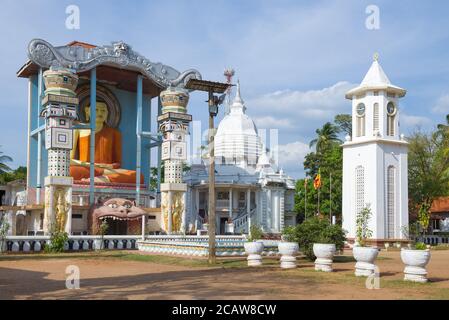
<point x="294" y="59"/>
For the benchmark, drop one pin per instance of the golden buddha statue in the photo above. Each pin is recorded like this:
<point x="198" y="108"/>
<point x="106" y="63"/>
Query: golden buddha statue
<point x="108" y="152"/>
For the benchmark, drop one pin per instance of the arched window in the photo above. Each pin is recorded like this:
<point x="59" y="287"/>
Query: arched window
<point x="391" y="115"/>
<point x="391" y="172"/>
<point x="375" y="118"/>
<point x="359" y="189"/>
<point x="360" y="121"/>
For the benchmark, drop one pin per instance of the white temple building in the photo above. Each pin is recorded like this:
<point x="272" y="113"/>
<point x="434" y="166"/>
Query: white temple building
<point x="250" y="189"/>
<point x="375" y="158"/>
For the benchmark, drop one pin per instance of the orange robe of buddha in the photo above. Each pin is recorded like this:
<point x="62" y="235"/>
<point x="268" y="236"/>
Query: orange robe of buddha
<point x="108" y="150"/>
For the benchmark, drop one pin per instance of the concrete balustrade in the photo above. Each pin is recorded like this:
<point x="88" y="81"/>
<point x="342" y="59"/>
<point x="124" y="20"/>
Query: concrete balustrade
<point x="76" y="243"/>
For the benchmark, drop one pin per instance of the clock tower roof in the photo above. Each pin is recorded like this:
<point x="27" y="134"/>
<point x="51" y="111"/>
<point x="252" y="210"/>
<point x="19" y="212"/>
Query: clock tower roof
<point x="375" y="79"/>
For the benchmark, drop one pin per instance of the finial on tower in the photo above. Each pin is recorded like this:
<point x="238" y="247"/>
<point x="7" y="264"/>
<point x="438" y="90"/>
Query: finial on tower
<point x="229" y="73"/>
<point x="376" y="56"/>
<point x="237" y="95"/>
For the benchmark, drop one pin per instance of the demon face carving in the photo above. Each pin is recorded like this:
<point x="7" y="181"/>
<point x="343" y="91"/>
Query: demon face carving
<point x="118" y="209"/>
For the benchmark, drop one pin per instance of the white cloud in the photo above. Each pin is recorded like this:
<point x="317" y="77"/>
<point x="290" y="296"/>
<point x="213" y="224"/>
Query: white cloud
<point x="411" y="121"/>
<point x="269" y="122"/>
<point x="311" y="104"/>
<point x="442" y="105"/>
<point x="291" y="155"/>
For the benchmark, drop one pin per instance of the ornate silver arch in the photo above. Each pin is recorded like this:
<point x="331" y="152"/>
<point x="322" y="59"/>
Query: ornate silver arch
<point x="118" y="54"/>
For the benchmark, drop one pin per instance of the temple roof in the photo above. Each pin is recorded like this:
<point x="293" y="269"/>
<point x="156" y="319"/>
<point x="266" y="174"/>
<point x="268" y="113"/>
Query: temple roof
<point x="116" y="64"/>
<point x="375" y="79"/>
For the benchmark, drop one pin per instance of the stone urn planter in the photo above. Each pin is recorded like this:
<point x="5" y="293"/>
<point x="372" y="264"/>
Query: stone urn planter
<point x="288" y="251"/>
<point x="365" y="257"/>
<point x="415" y="264"/>
<point x="254" y="250"/>
<point x="324" y="256"/>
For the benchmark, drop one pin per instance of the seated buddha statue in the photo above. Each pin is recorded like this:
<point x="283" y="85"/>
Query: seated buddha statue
<point x="108" y="152"/>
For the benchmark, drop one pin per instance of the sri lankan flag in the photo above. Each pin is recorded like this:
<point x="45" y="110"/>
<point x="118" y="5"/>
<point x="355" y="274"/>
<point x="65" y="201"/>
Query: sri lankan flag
<point x="317" y="181"/>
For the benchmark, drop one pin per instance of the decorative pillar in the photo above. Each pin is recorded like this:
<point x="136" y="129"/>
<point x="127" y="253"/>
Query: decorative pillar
<point x="197" y="206"/>
<point x="231" y="204"/>
<point x="59" y="111"/>
<point x="173" y="124"/>
<point x="248" y="208"/>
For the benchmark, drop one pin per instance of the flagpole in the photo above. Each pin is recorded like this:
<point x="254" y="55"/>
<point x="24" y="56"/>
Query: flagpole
<point x="319" y="191"/>
<point x="305" y="199"/>
<point x="330" y="194"/>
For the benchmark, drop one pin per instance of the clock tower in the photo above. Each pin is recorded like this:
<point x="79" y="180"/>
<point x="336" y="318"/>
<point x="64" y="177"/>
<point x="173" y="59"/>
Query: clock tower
<point x="375" y="159"/>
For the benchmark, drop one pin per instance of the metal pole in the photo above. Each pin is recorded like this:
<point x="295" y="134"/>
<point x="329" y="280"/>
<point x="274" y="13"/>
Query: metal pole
<point x="330" y="195"/>
<point x="93" y="115"/>
<point x="305" y="200"/>
<point x="211" y="230"/>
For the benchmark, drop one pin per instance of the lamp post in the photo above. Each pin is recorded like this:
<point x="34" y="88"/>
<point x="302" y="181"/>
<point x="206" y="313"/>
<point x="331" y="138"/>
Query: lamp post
<point x="213" y="103"/>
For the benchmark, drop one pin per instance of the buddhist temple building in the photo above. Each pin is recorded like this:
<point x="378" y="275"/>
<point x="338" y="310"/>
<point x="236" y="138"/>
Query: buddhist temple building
<point x="251" y="189"/>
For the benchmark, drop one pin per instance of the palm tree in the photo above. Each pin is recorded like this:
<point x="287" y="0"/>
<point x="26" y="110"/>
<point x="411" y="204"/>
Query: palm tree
<point x="3" y="166"/>
<point x="444" y="127"/>
<point x="327" y="135"/>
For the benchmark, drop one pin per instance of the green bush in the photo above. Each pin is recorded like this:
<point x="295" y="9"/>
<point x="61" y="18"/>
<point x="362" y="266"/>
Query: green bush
<point x="420" y="246"/>
<point x="57" y="242"/>
<point x="255" y="233"/>
<point x="312" y="231"/>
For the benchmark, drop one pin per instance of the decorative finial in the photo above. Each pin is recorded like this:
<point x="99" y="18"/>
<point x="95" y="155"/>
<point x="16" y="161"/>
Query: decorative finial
<point x="229" y="73"/>
<point x="376" y="56"/>
<point x="237" y="95"/>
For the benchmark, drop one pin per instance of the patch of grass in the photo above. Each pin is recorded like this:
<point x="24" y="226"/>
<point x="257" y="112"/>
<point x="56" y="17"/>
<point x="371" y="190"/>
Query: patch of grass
<point x="440" y="247"/>
<point x="342" y="259"/>
<point x="439" y="294"/>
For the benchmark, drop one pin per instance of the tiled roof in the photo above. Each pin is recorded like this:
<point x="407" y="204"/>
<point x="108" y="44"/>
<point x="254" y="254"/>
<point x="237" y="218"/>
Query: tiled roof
<point x="440" y="205"/>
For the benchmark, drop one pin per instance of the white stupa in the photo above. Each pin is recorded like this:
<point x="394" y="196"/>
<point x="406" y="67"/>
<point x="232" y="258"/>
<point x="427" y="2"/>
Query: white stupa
<point x="236" y="141"/>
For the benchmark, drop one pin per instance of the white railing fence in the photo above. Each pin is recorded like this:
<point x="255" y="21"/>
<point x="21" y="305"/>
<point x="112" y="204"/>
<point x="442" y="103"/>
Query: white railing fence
<point x="75" y="243"/>
<point x="435" y="240"/>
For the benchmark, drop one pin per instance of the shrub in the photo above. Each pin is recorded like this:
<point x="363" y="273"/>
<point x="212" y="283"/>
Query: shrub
<point x="4" y="228"/>
<point x="315" y="230"/>
<point x="362" y="231"/>
<point x="102" y="230"/>
<point x="57" y="242"/>
<point x="420" y="246"/>
<point x="255" y="233"/>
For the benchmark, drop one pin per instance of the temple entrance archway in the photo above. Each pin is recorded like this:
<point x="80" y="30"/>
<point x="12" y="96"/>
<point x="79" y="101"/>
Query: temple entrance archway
<point x="117" y="227"/>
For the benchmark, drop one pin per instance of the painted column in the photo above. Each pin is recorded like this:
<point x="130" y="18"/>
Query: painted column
<point x="174" y="124"/>
<point x="39" y="138"/>
<point x="93" y="116"/>
<point x="59" y="111"/>
<point x="230" y="203"/>
<point x="268" y="213"/>
<point x="197" y="206"/>
<point x="274" y="206"/>
<point x="248" y="208"/>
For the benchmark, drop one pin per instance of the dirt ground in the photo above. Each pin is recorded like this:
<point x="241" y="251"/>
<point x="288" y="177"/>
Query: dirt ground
<point x="112" y="277"/>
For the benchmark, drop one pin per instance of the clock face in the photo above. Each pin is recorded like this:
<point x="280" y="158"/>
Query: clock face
<point x="360" y="109"/>
<point x="391" y="109"/>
